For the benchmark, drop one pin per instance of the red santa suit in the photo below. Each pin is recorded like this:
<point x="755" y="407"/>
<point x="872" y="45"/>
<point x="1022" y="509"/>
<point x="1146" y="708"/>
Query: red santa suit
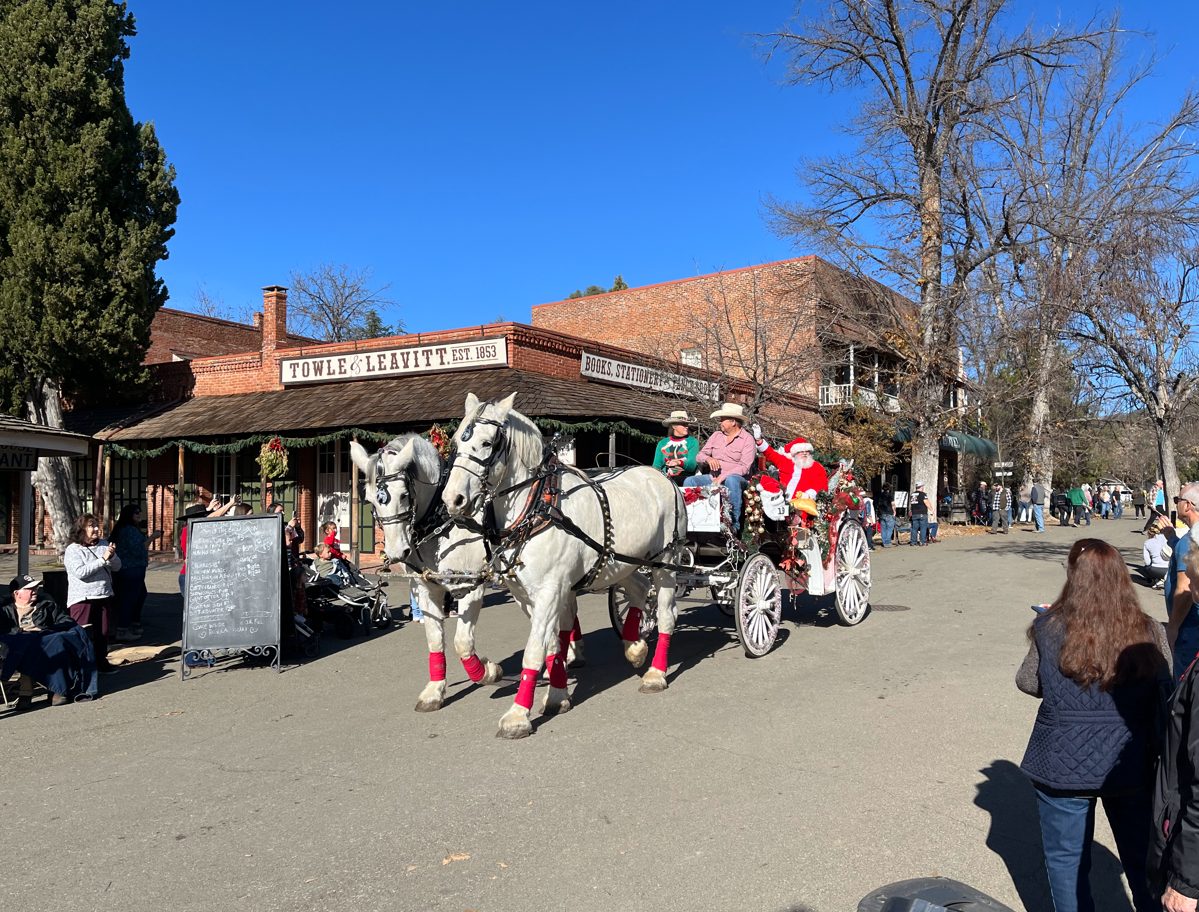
<point x="792" y="479"/>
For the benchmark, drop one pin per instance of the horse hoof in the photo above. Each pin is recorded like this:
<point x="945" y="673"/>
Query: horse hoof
<point x="494" y="673"/>
<point x="653" y="682"/>
<point x="514" y="732"/>
<point x="427" y="706"/>
<point x="636" y="652"/>
<point x="556" y="707"/>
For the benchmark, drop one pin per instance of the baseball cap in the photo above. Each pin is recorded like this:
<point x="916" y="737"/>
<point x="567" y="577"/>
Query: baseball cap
<point x="23" y="581"/>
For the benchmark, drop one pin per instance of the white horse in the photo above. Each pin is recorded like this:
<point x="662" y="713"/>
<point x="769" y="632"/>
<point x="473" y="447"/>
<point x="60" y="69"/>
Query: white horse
<point x="557" y="534"/>
<point x="403" y="481"/>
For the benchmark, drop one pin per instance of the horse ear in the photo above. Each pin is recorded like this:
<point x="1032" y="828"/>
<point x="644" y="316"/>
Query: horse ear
<point x="472" y="402"/>
<point x="504" y="406"/>
<point x="359" y="455"/>
<point x="408" y="454"/>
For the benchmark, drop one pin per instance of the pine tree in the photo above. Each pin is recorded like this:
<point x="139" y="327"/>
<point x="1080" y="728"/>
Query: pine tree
<point x="87" y="199"/>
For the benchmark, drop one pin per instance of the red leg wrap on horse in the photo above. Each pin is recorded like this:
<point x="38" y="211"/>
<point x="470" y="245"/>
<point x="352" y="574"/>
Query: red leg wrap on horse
<point x="660" y="651"/>
<point x="632" y="625"/>
<point x="474" y="668"/>
<point x="576" y="632"/>
<point x="564" y="639"/>
<point x="436" y="666"/>
<point x="528" y="683"/>
<point x="557" y="664"/>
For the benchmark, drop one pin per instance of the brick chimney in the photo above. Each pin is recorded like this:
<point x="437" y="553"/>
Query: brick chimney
<point x="274" y="317"/>
<point x="257" y="318"/>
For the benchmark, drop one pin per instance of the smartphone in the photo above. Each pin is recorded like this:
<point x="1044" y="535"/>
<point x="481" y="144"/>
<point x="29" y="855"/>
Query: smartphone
<point x="1039" y="609"/>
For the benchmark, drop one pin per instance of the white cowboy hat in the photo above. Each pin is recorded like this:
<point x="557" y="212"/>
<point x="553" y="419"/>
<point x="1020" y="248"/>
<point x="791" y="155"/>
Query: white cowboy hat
<point x="730" y="410"/>
<point x="678" y="416"/>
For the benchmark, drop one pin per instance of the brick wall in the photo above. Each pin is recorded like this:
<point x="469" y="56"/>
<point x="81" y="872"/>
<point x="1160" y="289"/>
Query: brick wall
<point x="175" y="332"/>
<point x="664" y="319"/>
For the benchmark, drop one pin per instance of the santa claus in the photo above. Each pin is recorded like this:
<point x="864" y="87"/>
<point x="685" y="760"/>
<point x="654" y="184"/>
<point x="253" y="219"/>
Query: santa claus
<point x="800" y="475"/>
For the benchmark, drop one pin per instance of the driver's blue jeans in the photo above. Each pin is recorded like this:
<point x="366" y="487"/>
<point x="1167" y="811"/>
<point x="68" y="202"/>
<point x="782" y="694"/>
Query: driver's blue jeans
<point x="734" y="483"/>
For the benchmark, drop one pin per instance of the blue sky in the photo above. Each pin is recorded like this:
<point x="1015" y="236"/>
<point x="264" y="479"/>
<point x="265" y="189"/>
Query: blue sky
<point x="480" y="157"/>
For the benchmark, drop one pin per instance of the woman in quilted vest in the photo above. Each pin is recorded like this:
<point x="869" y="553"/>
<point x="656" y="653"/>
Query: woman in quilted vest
<point x="1101" y="668"/>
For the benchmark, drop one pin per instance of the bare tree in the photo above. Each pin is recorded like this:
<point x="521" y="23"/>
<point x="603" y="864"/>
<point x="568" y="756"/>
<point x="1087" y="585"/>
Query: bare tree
<point x="335" y="303"/>
<point x="1136" y="331"/>
<point x="1083" y="174"/>
<point x="763" y="337"/>
<point x="209" y="305"/>
<point x="931" y="68"/>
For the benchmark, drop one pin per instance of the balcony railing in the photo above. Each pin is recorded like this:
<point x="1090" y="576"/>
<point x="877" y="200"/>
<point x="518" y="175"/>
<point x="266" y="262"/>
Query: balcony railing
<point x="834" y="394"/>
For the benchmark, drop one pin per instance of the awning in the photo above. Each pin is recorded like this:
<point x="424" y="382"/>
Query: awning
<point x="967" y="443"/>
<point x="956" y="441"/>
<point x="393" y="403"/>
<point x="43" y="440"/>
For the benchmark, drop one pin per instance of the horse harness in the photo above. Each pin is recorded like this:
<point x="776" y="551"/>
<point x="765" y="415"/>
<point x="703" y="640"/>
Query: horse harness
<point x="542" y="510"/>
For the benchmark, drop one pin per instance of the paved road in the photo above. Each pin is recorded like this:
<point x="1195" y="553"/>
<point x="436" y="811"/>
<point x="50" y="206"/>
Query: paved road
<point x="846" y="759"/>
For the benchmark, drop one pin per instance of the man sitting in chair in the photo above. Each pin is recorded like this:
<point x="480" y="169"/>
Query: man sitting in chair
<point x="728" y="457"/>
<point x="65" y="668"/>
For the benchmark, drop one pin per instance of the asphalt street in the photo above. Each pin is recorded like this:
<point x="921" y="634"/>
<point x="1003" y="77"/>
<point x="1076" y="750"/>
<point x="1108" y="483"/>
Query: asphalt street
<point x="845" y="759"/>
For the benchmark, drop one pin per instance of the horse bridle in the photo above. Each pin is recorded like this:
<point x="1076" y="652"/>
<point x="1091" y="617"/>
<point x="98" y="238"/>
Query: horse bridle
<point x="383" y="494"/>
<point x="499" y="449"/>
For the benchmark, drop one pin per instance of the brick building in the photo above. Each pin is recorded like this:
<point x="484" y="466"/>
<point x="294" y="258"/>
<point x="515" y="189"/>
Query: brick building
<point x="801" y="325"/>
<point x="218" y="399"/>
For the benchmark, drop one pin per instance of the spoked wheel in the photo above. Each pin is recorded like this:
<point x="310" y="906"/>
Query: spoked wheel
<point x="381" y="613"/>
<point x="618" y="609"/>
<point x="852" y="565"/>
<point x="758" y="609"/>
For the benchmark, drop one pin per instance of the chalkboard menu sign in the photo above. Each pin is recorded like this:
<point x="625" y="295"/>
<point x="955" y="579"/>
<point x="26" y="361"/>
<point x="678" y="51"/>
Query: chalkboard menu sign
<point x="233" y="587"/>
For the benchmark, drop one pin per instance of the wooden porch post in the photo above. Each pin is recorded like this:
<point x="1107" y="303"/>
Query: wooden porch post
<point x="180" y="506"/>
<point x="353" y="539"/>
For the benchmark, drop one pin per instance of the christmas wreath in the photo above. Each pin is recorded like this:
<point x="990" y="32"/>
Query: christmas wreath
<point x="272" y="459"/>
<point x="440" y="439"/>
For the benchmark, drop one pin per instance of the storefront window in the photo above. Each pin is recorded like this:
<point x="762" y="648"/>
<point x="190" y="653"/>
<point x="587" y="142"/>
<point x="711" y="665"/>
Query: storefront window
<point x="84" y="471"/>
<point x="126" y="483"/>
<point x="333" y="485"/>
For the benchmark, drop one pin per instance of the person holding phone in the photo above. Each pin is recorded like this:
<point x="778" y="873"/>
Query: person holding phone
<point x="90" y="561"/>
<point x="1101" y="668"/>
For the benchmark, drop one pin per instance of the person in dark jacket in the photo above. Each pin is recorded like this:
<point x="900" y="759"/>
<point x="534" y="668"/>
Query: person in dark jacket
<point x="29" y="610"/>
<point x="1174" y="854"/>
<point x="1101" y="668"/>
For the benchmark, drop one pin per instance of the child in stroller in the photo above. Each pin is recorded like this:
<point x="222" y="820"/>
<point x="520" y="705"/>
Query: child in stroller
<point x="343" y="595"/>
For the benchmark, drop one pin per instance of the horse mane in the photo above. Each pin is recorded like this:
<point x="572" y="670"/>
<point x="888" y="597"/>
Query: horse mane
<point x="525" y="440"/>
<point x="424" y="455"/>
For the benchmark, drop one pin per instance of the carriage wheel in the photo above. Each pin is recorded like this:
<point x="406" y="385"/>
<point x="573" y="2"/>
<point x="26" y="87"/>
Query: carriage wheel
<point x="759" y="605"/>
<point x="852" y="565"/>
<point x="618" y="607"/>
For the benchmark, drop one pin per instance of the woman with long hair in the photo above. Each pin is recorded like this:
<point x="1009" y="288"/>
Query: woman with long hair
<point x="90" y="562"/>
<point x="1101" y="667"/>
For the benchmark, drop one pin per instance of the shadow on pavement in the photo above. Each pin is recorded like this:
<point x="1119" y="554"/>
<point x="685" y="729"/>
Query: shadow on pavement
<point x="1015" y="836"/>
<point x="1032" y="549"/>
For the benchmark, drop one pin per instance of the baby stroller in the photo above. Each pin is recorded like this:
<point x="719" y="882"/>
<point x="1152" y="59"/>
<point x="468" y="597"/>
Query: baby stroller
<point x="346" y="599"/>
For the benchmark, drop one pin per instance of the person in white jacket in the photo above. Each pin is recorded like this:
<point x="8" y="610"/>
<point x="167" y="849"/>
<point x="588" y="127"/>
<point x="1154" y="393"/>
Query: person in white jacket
<point x="90" y="562"/>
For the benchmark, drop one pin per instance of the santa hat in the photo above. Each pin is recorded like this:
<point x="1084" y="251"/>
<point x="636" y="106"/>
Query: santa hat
<point x="797" y="446"/>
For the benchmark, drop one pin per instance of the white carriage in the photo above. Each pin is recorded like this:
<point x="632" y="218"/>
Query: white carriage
<point x="780" y="551"/>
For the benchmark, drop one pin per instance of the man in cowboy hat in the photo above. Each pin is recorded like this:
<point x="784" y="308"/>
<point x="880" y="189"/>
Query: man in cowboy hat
<point x="676" y="454"/>
<point x="729" y="455"/>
